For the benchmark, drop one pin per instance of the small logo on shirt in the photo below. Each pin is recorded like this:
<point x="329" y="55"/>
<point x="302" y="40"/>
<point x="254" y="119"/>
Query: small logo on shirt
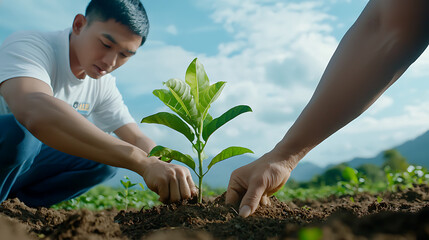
<point x="82" y="108"/>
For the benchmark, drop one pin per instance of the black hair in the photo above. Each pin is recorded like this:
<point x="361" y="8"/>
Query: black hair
<point x="130" y="13"/>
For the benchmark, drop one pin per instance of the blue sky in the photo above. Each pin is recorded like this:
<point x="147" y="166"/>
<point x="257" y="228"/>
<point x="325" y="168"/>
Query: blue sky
<point x="272" y="54"/>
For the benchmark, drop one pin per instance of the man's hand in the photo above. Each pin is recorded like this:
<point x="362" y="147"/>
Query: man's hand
<point x="171" y="182"/>
<point x="252" y="184"/>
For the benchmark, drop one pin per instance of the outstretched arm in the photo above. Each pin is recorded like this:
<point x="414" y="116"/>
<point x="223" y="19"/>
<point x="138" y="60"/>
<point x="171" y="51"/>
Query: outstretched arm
<point x="384" y="41"/>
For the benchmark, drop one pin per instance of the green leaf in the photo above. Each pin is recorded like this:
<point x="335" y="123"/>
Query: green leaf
<point x="166" y="159"/>
<point x="227" y="153"/>
<point x="196" y="77"/>
<point x="125" y="184"/>
<point x="208" y="96"/>
<point x="170" y="101"/>
<point x="172" y="121"/>
<point x="350" y="175"/>
<point x="182" y="93"/>
<point x="161" y="151"/>
<point x="224" y="118"/>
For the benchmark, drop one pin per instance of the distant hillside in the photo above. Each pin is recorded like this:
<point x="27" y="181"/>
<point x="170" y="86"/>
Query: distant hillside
<point x="305" y="171"/>
<point x="416" y="151"/>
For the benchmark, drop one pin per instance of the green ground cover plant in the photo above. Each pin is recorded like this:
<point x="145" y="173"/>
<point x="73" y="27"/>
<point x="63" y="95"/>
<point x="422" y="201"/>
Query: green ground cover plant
<point x="191" y="100"/>
<point x="104" y="197"/>
<point x="355" y="182"/>
<point x="127" y="195"/>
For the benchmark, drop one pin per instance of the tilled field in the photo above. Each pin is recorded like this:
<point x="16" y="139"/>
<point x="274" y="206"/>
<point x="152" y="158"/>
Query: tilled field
<point x="400" y="215"/>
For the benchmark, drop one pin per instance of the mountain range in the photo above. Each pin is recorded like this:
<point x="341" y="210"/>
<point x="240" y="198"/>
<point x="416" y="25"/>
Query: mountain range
<point x="416" y="151"/>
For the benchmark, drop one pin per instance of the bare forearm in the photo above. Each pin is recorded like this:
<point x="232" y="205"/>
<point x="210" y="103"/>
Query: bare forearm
<point x="370" y="57"/>
<point x="145" y="143"/>
<point x="61" y="127"/>
<point x="133" y="135"/>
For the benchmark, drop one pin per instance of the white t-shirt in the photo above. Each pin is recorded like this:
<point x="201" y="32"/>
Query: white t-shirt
<point x="45" y="56"/>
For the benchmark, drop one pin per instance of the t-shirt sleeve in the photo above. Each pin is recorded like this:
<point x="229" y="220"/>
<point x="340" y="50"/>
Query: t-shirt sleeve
<point x="111" y="113"/>
<point x="25" y="55"/>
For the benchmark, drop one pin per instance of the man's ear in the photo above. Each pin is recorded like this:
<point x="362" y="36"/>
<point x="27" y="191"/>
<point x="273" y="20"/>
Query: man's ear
<point x="79" y="23"/>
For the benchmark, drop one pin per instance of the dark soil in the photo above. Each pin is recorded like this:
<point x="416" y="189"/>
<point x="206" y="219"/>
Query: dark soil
<point x="400" y="215"/>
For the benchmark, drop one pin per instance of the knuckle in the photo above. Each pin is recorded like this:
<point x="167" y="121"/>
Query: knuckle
<point x="235" y="172"/>
<point x="170" y="172"/>
<point x="187" y="172"/>
<point x="180" y="174"/>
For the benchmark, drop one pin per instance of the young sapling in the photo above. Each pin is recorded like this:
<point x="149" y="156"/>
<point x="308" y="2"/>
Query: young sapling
<point x="191" y="100"/>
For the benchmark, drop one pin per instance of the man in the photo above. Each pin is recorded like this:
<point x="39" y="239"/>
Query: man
<point x="384" y="41"/>
<point x="50" y="83"/>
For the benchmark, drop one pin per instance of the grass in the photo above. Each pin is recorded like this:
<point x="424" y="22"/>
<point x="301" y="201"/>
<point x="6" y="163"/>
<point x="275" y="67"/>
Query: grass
<point x="104" y="197"/>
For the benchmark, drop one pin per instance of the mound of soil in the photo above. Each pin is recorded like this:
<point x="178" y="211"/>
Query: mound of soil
<point x="399" y="215"/>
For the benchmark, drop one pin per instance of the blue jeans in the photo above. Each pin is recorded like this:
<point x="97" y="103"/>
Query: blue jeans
<point x="40" y="175"/>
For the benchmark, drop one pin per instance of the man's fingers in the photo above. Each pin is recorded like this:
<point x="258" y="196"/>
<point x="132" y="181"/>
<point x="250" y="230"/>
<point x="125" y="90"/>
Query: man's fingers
<point x="185" y="190"/>
<point x="251" y="199"/>
<point x="174" y="190"/>
<point x="194" y="190"/>
<point x="232" y="197"/>
<point x="164" y="193"/>
<point x="233" y="193"/>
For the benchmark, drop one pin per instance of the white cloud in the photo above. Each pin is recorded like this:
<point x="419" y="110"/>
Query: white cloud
<point x="276" y="59"/>
<point x="369" y="135"/>
<point x="172" y="29"/>
<point x="412" y="116"/>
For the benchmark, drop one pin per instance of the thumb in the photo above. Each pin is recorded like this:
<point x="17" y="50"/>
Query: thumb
<point x="251" y="200"/>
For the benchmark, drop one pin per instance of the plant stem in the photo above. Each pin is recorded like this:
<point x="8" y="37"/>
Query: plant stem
<point x="200" y="149"/>
<point x="200" y="176"/>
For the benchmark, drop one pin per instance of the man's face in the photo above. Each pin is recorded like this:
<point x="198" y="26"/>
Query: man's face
<point x="102" y="47"/>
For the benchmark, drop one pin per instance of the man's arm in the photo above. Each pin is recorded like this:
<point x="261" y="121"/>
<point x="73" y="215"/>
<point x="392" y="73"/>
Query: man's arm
<point x="385" y="40"/>
<point x="59" y="126"/>
<point x="131" y="134"/>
